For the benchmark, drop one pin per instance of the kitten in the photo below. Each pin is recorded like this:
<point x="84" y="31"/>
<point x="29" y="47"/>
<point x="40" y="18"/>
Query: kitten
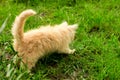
<point x="34" y="44"/>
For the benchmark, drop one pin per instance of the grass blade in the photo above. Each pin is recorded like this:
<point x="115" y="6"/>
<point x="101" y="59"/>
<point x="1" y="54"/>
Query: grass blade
<point x="4" y="24"/>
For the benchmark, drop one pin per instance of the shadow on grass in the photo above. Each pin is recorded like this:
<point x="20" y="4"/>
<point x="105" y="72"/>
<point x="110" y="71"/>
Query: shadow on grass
<point x="59" y="66"/>
<point x="50" y="61"/>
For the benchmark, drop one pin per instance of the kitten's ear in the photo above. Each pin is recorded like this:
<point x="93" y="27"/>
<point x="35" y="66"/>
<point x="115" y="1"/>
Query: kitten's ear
<point x="75" y="26"/>
<point x="64" y="24"/>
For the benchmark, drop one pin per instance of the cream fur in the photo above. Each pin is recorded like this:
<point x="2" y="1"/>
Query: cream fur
<point x="36" y="43"/>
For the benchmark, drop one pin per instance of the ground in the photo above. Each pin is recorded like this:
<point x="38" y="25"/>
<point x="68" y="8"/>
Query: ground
<point x="97" y="40"/>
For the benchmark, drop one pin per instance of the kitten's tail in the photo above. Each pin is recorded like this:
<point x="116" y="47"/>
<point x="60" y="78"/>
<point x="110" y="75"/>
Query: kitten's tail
<point x="18" y="25"/>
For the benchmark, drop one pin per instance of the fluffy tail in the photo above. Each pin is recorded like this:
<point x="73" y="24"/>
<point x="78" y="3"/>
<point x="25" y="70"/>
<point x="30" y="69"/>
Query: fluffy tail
<point x="18" y="25"/>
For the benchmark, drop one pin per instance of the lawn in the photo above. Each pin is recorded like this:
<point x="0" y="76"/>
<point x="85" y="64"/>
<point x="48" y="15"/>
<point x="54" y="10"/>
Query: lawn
<point x="97" y="40"/>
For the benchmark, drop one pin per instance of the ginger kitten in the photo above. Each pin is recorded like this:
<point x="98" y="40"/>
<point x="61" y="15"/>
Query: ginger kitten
<point x="34" y="44"/>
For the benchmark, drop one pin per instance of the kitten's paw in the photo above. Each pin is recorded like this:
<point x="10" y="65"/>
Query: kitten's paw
<point x="72" y="51"/>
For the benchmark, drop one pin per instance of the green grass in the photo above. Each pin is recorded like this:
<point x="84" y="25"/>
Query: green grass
<point x="97" y="41"/>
